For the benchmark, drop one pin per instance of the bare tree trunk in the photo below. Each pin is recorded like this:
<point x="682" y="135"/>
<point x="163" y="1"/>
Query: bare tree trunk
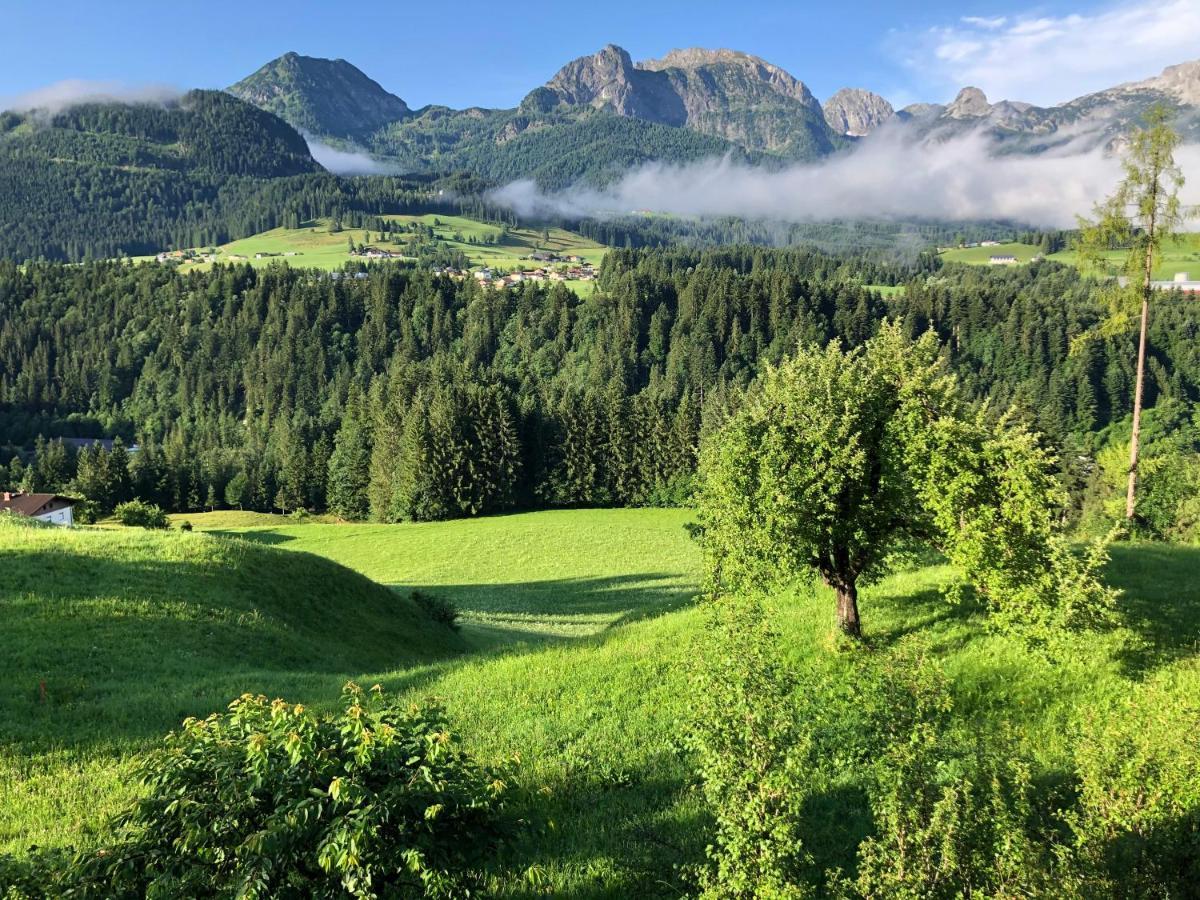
<point x="1147" y="287"/>
<point x="847" y="610"/>
<point x="1131" y="491"/>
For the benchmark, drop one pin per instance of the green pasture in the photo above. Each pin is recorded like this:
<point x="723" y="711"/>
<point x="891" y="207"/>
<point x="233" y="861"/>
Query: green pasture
<point x="579" y="631"/>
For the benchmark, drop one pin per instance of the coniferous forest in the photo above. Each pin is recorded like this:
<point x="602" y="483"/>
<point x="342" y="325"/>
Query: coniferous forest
<point x="405" y="395"/>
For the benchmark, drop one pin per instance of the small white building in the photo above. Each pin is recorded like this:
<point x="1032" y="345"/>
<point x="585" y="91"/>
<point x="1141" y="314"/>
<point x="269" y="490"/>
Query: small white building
<point x="44" y="507"/>
<point x="1182" y="282"/>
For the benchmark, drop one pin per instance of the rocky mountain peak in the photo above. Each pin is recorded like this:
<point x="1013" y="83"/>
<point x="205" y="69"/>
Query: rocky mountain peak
<point x="856" y="112"/>
<point x="753" y="68"/>
<point x="970" y="103"/>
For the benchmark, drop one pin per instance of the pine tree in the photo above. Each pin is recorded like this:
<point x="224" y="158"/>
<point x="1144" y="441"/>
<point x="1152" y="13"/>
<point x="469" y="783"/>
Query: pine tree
<point x="349" y="469"/>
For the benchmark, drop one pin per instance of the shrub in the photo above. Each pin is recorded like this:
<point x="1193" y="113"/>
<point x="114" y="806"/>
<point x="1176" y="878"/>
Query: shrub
<point x="952" y="816"/>
<point x="272" y="800"/>
<point x="1137" y="823"/>
<point x="751" y="751"/>
<point x="135" y="513"/>
<point x="439" y="609"/>
<point x="185" y="525"/>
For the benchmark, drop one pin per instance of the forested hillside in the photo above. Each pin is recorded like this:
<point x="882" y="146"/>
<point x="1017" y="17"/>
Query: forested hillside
<point x="407" y="395"/>
<point x="106" y="180"/>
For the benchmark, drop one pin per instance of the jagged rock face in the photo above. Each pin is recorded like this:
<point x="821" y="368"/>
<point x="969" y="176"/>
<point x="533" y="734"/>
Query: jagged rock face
<point x="855" y="112"/>
<point x="321" y="96"/>
<point x="609" y="80"/>
<point x="723" y="93"/>
<point x="735" y="69"/>
<point x="971" y="103"/>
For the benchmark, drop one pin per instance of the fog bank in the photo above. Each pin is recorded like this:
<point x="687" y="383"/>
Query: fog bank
<point x="889" y="175"/>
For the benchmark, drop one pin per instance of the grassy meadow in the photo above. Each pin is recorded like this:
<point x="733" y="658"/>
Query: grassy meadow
<point x="1181" y="256"/>
<point x="579" y="630"/>
<point x="315" y="246"/>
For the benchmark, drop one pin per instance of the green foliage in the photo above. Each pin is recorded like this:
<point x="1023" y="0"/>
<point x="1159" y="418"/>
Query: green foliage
<point x="271" y="800"/>
<point x="136" y="514"/>
<point x="952" y="814"/>
<point x="838" y="461"/>
<point x="995" y="506"/>
<point x="1136" y="826"/>
<point x="751" y="753"/>
<point x="607" y="396"/>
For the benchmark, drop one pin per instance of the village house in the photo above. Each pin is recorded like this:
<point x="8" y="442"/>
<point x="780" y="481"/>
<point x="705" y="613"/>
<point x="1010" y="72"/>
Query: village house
<point x="1181" y="282"/>
<point x="44" y="507"/>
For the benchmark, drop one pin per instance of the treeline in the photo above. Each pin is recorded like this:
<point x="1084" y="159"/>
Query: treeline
<point x="891" y="241"/>
<point x="406" y="395"/>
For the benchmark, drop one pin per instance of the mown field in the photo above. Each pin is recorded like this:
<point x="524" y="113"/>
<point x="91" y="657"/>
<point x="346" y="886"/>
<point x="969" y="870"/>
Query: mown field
<point x="579" y="633"/>
<point x="1183" y="256"/>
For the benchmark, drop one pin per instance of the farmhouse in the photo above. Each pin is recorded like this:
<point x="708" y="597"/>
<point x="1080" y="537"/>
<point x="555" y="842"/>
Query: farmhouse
<point x="1003" y="260"/>
<point x="1182" y="282"/>
<point x="43" y="507"/>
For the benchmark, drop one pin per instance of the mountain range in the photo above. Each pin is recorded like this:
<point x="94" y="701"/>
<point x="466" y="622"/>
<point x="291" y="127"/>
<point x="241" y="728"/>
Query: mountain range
<point x="602" y="113"/>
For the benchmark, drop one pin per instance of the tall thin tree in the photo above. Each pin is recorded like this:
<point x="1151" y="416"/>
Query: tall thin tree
<point x="1143" y="215"/>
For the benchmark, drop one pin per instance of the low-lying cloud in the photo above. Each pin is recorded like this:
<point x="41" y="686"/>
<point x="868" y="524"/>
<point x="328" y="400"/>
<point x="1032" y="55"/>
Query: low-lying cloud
<point x="888" y="176"/>
<point x="346" y="162"/>
<point x="54" y="98"/>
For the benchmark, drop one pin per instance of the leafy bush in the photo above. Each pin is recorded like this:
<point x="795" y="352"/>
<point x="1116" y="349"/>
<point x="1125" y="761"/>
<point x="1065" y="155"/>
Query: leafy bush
<point x="1137" y="823"/>
<point x="952" y="817"/>
<point x="439" y="609"/>
<point x="185" y="525"/>
<point x="135" y="513"/>
<point x="751" y="753"/>
<point x="272" y="800"/>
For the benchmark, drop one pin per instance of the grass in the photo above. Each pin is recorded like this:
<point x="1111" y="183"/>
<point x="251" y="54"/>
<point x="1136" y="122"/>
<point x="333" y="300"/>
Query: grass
<point x="1183" y="256"/>
<point x="315" y="246"/>
<point x="578" y="638"/>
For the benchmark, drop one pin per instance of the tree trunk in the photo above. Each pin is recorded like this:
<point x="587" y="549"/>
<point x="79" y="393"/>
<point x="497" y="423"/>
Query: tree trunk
<point x="1147" y="287"/>
<point x="1131" y="491"/>
<point x="847" y="610"/>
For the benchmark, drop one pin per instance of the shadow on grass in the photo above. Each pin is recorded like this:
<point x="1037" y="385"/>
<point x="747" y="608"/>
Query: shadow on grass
<point x="605" y="602"/>
<point x="262" y="536"/>
<point x="611" y="830"/>
<point x="924" y="610"/>
<point x="1160" y="602"/>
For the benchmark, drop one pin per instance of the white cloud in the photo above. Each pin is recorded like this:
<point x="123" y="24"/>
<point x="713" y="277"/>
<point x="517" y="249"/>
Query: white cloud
<point x="54" y="98"/>
<point x="1051" y="59"/>
<point x="984" y="22"/>
<point x="888" y="176"/>
<point x="344" y="162"/>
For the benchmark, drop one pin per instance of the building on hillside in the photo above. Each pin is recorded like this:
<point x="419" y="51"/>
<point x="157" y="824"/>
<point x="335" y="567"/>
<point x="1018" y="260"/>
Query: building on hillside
<point x="44" y="507"/>
<point x="1181" y="282"/>
<point x="1002" y="260"/>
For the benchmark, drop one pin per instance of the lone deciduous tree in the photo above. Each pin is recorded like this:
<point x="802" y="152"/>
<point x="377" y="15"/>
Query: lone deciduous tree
<point x="838" y="460"/>
<point x="1142" y="215"/>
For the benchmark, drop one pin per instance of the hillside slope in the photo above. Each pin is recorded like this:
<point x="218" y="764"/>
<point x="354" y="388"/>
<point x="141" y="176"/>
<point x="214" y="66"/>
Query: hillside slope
<point x="175" y="622"/>
<point x="102" y="179"/>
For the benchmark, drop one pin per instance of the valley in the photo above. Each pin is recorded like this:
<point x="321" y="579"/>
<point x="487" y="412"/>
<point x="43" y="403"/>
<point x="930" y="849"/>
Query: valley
<point x="437" y="241"/>
<point x="599" y="474"/>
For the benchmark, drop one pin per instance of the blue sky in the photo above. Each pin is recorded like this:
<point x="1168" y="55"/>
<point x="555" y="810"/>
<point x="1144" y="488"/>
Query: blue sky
<point x="476" y="53"/>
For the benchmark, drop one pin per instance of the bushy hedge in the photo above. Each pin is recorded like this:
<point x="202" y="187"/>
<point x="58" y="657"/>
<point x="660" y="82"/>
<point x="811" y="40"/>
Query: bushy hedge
<point x="135" y="513"/>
